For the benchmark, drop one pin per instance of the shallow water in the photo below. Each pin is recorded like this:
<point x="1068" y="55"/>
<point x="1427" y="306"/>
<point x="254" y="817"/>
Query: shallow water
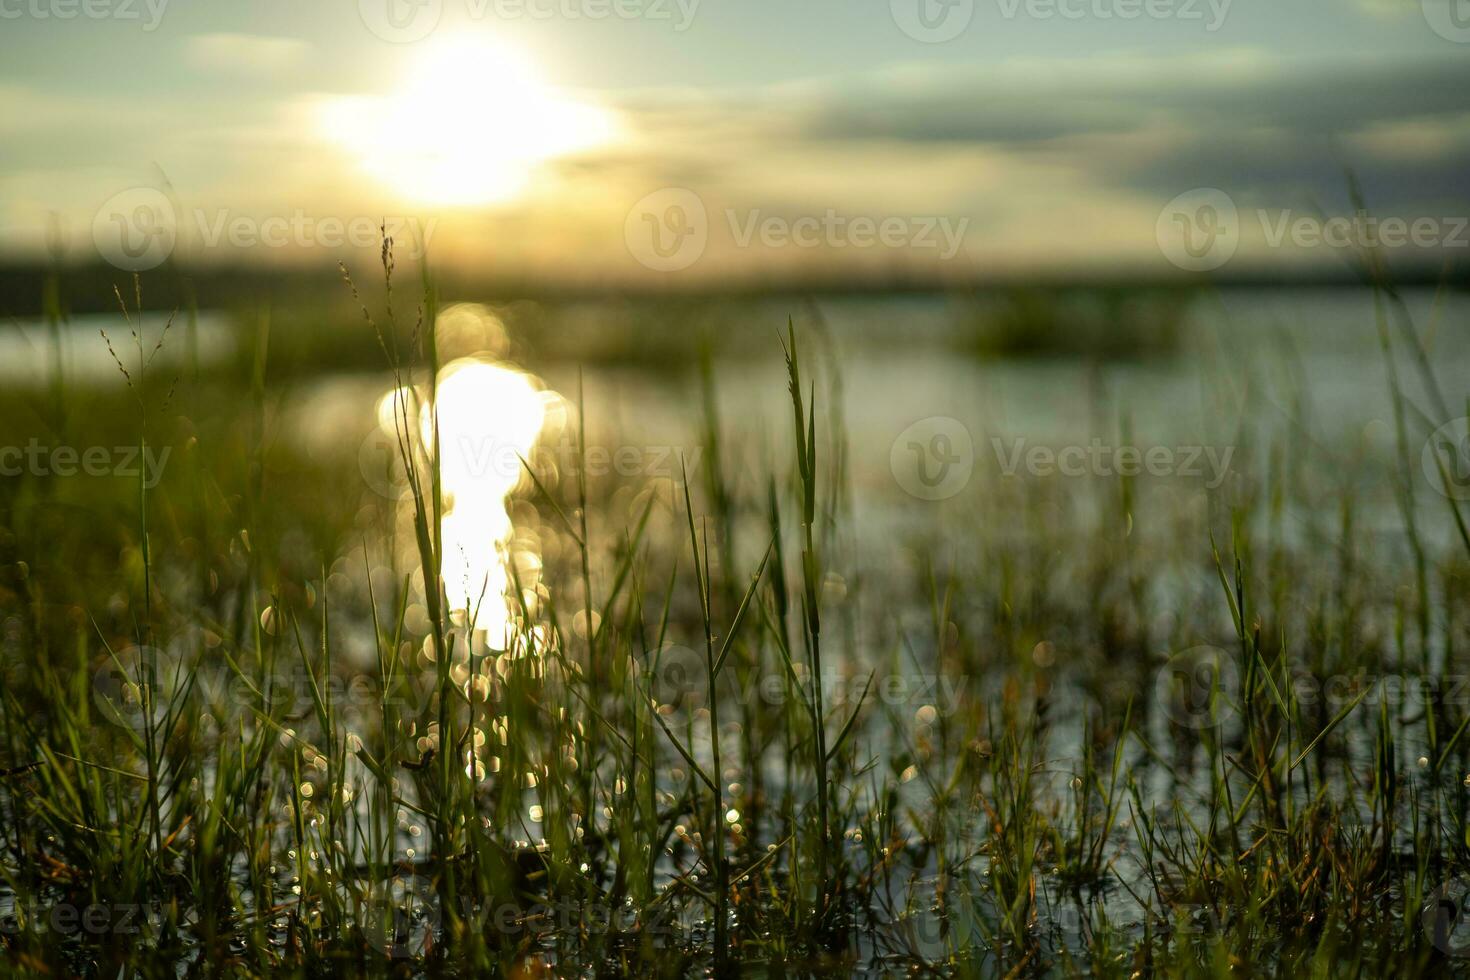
<point x="1247" y="355"/>
<point x="29" y="355"/>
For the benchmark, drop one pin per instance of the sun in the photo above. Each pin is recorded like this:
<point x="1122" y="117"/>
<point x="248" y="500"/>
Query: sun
<point x="469" y="125"/>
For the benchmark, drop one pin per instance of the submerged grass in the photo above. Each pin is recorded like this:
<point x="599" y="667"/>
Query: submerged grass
<point x="244" y="730"/>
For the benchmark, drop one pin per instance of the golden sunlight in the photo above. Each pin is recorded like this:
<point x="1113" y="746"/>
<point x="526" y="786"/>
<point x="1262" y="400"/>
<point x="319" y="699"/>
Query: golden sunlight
<point x="490" y="416"/>
<point x="469" y="125"/>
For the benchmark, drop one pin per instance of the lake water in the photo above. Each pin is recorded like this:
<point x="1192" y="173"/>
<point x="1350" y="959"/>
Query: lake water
<point x="1253" y="366"/>
<point x="29" y="355"/>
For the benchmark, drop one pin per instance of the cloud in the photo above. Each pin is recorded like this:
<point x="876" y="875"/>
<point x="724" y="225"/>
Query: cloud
<point x="245" y="52"/>
<point x="1145" y="124"/>
<point x="1052" y="162"/>
<point x="1026" y="101"/>
<point x="1059" y="162"/>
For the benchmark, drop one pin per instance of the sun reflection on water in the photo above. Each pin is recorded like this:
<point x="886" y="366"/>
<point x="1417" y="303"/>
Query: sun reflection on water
<point x="489" y="418"/>
<point x="490" y="415"/>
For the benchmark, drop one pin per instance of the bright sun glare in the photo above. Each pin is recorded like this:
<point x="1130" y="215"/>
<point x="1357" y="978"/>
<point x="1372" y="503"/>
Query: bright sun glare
<point x="469" y="125"/>
<point x="490" y="416"/>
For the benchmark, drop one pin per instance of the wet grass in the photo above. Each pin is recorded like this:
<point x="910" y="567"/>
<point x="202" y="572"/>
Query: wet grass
<point x="1111" y="726"/>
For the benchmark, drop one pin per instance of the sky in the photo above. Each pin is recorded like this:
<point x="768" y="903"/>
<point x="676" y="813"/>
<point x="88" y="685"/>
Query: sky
<point x="692" y="140"/>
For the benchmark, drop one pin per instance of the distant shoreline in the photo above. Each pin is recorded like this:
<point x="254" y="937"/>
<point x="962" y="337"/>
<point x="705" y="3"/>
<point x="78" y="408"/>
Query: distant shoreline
<point x="89" y="288"/>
